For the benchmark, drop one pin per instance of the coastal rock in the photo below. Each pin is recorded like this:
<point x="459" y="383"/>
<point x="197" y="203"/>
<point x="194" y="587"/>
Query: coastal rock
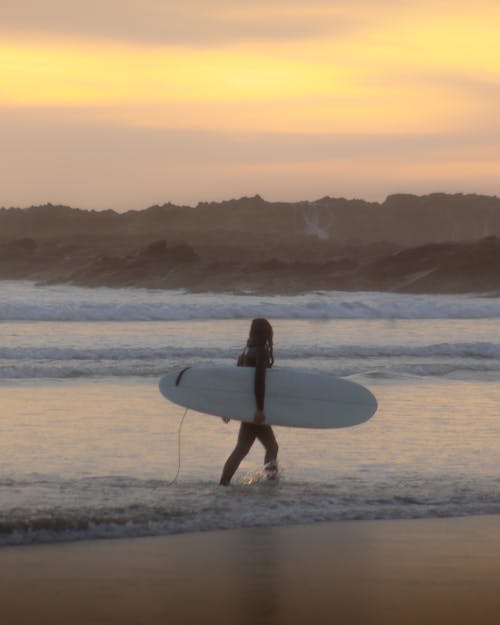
<point x="18" y="248"/>
<point x="253" y="245"/>
<point x="407" y="220"/>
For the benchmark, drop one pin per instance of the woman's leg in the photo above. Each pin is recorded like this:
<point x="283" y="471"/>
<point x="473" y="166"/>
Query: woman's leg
<point x="266" y="436"/>
<point x="246" y="438"/>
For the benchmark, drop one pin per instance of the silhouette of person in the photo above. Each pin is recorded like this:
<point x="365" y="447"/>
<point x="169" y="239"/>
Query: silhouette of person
<point x="257" y="353"/>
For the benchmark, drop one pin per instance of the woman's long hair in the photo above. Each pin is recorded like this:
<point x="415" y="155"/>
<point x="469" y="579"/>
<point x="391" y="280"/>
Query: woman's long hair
<point x="261" y="333"/>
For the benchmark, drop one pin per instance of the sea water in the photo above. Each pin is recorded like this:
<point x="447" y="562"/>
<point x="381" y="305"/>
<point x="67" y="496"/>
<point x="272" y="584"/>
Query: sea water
<point x="89" y="448"/>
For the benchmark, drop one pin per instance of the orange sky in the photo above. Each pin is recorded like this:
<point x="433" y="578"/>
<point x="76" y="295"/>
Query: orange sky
<point x="123" y="104"/>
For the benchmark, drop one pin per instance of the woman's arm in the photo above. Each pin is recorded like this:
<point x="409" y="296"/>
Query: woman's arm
<point x="260" y="383"/>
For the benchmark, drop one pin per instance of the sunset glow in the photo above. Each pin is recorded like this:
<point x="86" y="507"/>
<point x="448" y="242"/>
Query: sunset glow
<point x="250" y="71"/>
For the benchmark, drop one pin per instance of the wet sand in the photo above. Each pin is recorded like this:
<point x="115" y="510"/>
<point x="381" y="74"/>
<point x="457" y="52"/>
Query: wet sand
<point x="362" y="572"/>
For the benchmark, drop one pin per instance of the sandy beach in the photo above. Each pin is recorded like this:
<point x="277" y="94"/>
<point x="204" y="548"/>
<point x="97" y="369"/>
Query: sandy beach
<point x="89" y="448"/>
<point x="411" y="571"/>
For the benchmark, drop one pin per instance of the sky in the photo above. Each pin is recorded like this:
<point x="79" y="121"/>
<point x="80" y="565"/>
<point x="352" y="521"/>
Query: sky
<point x="124" y="104"/>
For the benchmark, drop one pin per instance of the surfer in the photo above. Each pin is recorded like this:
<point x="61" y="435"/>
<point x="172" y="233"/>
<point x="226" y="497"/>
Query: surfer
<point x="258" y="353"/>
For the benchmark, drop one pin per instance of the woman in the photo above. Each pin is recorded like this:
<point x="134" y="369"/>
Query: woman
<point x="258" y="353"/>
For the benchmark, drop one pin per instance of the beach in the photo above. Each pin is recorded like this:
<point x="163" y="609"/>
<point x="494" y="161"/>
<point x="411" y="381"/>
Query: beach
<point x="309" y="190"/>
<point x="361" y="572"/>
<point x="392" y="521"/>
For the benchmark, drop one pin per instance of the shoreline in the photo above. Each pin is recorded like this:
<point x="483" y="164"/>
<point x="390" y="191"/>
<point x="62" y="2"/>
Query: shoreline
<point x="442" y="571"/>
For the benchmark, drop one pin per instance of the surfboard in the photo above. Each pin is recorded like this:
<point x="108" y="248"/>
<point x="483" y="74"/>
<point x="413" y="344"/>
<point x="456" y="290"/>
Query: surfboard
<point x="293" y="398"/>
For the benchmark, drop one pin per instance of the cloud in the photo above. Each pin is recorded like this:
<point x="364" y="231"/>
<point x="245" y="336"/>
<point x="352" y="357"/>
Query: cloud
<point x="129" y="102"/>
<point x="191" y="22"/>
<point x="57" y="135"/>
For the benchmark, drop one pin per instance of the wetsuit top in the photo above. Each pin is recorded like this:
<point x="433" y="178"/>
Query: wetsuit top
<point x="257" y="356"/>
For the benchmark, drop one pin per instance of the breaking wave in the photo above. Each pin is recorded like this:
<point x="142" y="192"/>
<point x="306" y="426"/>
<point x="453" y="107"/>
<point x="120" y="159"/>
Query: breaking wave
<point x="25" y="302"/>
<point x="422" y="360"/>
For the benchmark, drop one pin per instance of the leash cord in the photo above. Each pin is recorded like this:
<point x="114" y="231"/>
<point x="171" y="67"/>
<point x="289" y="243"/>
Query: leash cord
<point x="179" y="430"/>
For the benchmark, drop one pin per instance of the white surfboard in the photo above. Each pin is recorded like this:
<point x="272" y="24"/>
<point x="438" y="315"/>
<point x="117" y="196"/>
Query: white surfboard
<point x="293" y="398"/>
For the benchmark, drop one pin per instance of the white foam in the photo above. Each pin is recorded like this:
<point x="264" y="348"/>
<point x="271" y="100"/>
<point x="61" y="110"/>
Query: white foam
<point x="67" y="362"/>
<point x="139" y="507"/>
<point x="23" y="301"/>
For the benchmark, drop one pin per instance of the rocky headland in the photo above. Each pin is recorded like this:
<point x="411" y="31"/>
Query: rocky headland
<point x="430" y="244"/>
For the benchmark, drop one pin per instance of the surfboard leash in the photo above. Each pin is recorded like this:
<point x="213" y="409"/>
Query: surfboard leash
<point x="179" y="430"/>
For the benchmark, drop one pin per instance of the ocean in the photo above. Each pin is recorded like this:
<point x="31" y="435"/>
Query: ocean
<point x="90" y="449"/>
